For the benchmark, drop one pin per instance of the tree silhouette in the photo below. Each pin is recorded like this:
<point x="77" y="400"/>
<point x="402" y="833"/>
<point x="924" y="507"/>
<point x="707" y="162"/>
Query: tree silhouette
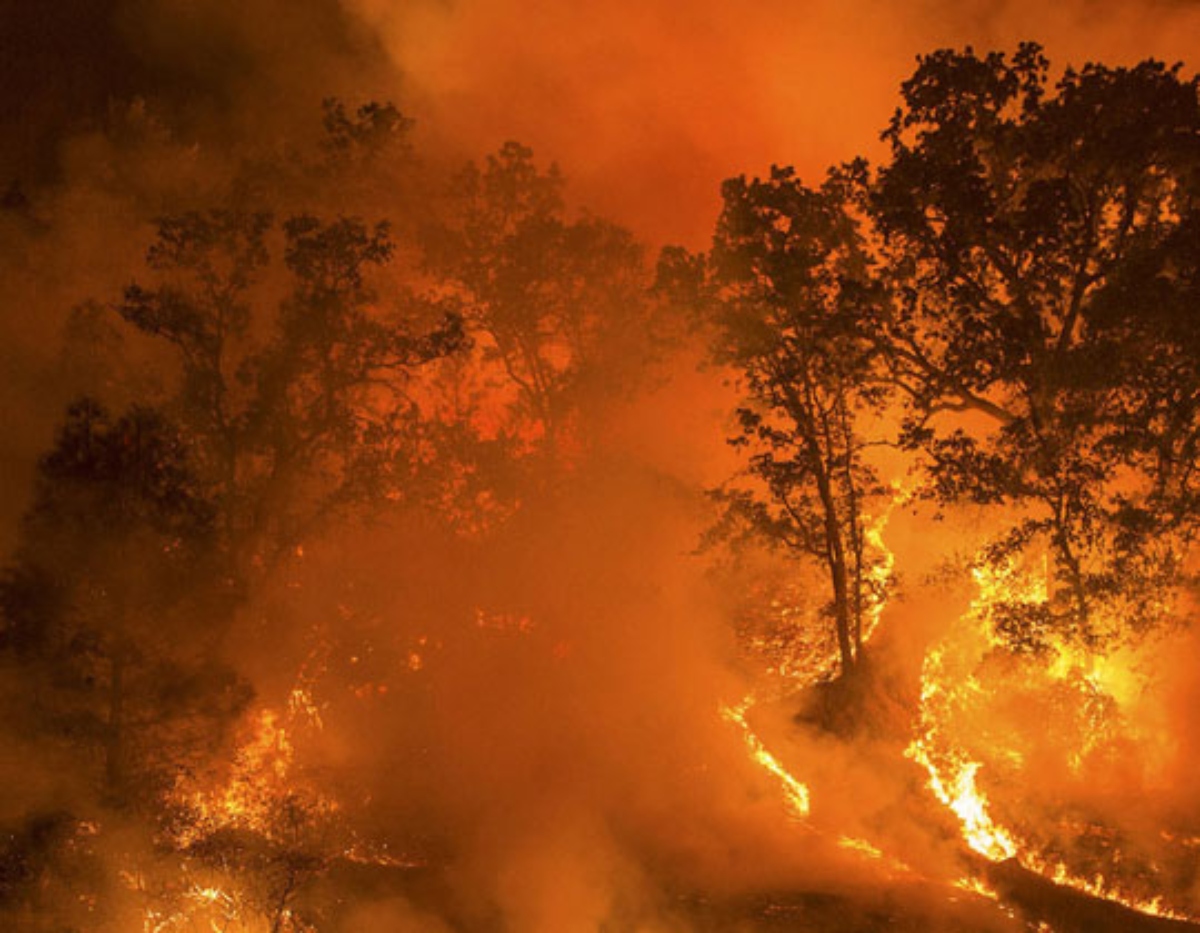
<point x="1024" y="260"/>
<point x="108" y="604"/>
<point x="789" y="293"/>
<point x="311" y="397"/>
<point x="550" y="300"/>
<point x="1038" y="241"/>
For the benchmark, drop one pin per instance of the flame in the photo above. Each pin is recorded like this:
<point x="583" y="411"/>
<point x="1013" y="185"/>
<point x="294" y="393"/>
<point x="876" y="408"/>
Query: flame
<point x="261" y="769"/>
<point x="951" y="773"/>
<point x="854" y="844"/>
<point x="976" y="885"/>
<point x="302" y="706"/>
<point x="202" y="907"/>
<point x="796" y="651"/>
<point x="795" y="793"/>
<point x="260" y="794"/>
<point x="949" y="684"/>
<point x="799" y="670"/>
<point x="880" y="574"/>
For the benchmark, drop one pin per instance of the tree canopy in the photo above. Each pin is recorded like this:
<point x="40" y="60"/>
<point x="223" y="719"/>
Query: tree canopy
<point x="1037" y="239"/>
<point x="1016" y="281"/>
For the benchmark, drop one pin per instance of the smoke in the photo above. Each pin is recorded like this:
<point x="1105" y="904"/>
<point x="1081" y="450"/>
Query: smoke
<point x="647" y="109"/>
<point x="555" y="736"/>
<point x="650" y="108"/>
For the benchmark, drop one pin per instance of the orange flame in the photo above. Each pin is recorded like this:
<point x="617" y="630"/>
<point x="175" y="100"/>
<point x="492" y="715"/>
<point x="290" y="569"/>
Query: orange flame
<point x="946" y="682"/>
<point x="795" y="793"/>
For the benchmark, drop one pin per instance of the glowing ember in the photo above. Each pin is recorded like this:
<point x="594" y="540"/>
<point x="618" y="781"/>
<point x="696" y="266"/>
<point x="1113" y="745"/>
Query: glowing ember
<point x="977" y="886"/>
<point x="861" y="846"/>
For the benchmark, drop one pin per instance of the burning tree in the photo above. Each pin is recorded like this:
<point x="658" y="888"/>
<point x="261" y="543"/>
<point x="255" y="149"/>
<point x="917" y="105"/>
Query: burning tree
<point x="286" y="407"/>
<point x="293" y="387"/>
<point x="1039" y="242"/>
<point x="1021" y="272"/>
<point x="1020" y="276"/>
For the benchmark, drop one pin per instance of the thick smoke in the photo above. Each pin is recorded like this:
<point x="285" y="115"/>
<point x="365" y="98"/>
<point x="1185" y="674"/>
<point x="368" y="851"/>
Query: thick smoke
<point x="556" y="740"/>
<point x="651" y="107"/>
<point x="646" y="110"/>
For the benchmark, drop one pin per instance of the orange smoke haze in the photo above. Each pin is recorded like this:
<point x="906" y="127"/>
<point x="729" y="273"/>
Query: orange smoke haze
<point x="550" y="705"/>
<point x="647" y="106"/>
<point x="650" y="105"/>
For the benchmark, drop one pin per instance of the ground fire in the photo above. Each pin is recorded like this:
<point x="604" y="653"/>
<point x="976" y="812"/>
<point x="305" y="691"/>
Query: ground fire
<point x="760" y="496"/>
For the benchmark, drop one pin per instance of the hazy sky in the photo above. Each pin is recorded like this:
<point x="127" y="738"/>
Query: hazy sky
<point x="650" y="103"/>
<point x="647" y="104"/>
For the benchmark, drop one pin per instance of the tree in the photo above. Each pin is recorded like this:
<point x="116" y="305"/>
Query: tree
<point x="553" y="302"/>
<point x="311" y="399"/>
<point x="1041" y="245"/>
<point x="789" y="292"/>
<point x="149" y="530"/>
<point x="362" y="162"/>
<point x="209" y="263"/>
<point x="108" y="603"/>
<point x="372" y="131"/>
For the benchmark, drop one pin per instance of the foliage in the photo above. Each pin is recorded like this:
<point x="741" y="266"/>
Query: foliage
<point x="1037" y="238"/>
<point x="553" y="303"/>
<point x="1022" y="271"/>
<point x="111" y="599"/>
<point x="791" y="298"/>
<point x="50" y="875"/>
<point x="311" y="397"/>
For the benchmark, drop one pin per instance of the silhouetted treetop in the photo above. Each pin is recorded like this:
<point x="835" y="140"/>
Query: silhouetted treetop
<point x="1022" y="265"/>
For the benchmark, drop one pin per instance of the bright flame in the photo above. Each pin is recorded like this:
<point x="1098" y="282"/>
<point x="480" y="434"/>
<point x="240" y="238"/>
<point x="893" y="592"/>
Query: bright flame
<point x="261" y="767"/>
<point x="855" y="844"/>
<point x="795" y="794"/>
<point x="948" y="685"/>
<point x="977" y="886"/>
<point x="951" y="772"/>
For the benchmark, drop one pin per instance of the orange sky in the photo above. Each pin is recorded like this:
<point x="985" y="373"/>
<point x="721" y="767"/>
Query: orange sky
<point x="649" y="104"/>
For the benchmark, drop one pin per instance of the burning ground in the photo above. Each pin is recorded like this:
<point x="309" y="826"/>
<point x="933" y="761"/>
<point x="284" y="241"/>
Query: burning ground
<point x="394" y="541"/>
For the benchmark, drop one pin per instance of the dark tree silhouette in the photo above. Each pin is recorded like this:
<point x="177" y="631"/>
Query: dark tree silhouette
<point x="551" y="301"/>
<point x="108" y="603"/>
<point x="789" y="292"/>
<point x="300" y="414"/>
<point x="1039" y="239"/>
<point x="1024" y="261"/>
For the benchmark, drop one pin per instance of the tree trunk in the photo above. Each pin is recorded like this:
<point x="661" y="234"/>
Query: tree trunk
<point x="835" y="548"/>
<point x="1070" y="562"/>
<point x="838" y="574"/>
<point x="857" y="546"/>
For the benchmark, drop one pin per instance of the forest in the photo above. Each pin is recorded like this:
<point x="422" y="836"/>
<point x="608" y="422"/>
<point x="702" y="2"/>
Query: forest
<point x="416" y="549"/>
